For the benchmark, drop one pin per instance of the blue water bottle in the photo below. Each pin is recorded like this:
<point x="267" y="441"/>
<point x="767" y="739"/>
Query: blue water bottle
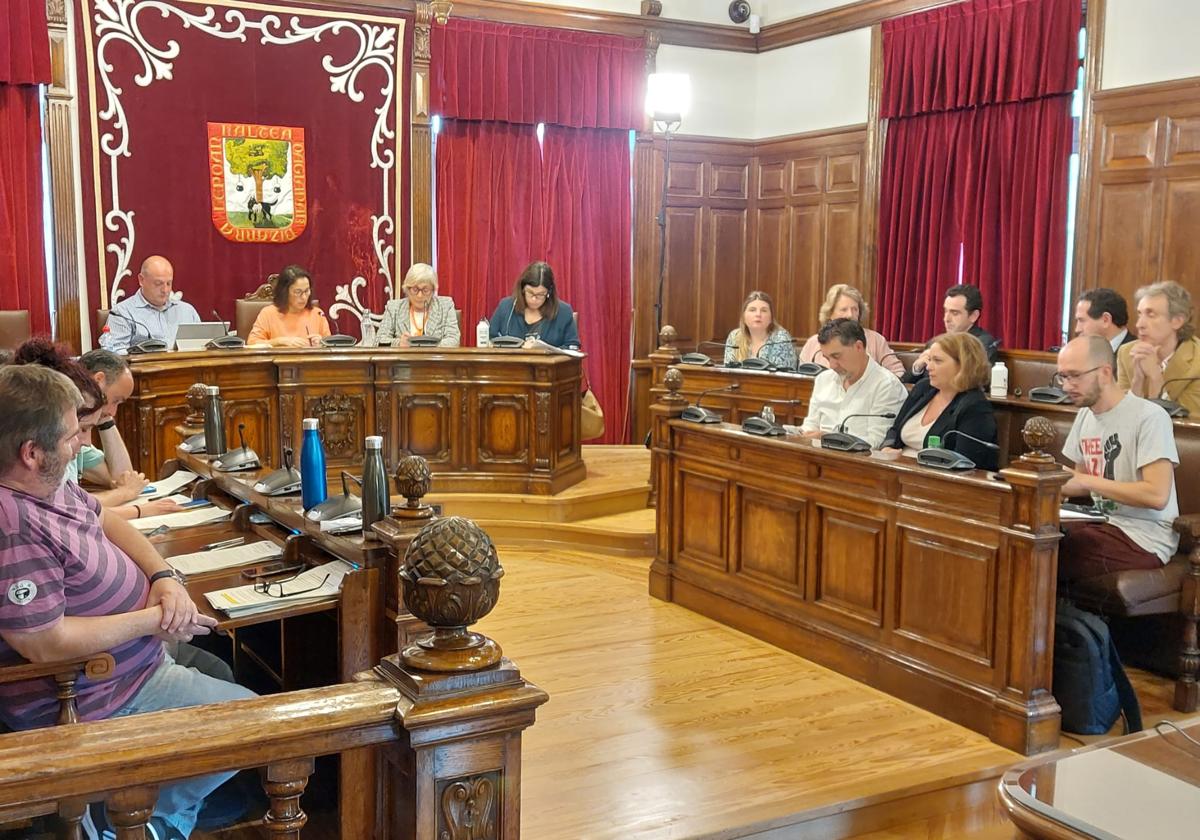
<point x="312" y="465"/>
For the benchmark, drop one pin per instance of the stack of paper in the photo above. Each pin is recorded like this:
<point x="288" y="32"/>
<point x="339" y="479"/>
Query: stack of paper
<point x="318" y="582"/>
<point x="343" y="524"/>
<point x="182" y="519"/>
<point x="168" y="485"/>
<point x="199" y="562"/>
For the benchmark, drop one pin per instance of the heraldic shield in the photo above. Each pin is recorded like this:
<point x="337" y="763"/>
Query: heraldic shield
<point x="257" y="178"/>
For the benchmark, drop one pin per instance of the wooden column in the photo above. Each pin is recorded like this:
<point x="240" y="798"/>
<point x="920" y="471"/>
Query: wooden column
<point x="422" y="138"/>
<point x="662" y="413"/>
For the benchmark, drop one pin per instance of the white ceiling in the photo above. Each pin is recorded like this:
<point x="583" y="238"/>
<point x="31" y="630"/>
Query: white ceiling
<point x="707" y="11"/>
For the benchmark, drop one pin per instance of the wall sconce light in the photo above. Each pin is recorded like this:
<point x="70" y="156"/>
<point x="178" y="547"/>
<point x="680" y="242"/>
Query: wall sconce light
<point x="668" y="99"/>
<point x="441" y="10"/>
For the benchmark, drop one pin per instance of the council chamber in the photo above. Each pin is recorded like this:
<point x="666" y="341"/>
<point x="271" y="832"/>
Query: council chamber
<point x="651" y="419"/>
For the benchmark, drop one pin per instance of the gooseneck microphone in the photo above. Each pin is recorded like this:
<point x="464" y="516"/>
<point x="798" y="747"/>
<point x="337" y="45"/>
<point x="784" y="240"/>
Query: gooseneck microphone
<point x="840" y="440"/>
<point x="702" y="359"/>
<point x="948" y="459"/>
<point x="764" y="424"/>
<point x="149" y="345"/>
<point x="1049" y="393"/>
<point x="230" y="341"/>
<point x="1170" y="406"/>
<point x="698" y="413"/>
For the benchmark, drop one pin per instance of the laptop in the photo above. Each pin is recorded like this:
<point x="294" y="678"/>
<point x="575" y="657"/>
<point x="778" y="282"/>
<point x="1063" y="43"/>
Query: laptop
<point x="194" y="336"/>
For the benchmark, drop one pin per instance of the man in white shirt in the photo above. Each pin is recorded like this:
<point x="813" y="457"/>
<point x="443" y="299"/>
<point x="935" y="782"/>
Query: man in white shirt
<point x="855" y="384"/>
<point x="1103" y="312"/>
<point x="1124" y="456"/>
<point x="150" y="313"/>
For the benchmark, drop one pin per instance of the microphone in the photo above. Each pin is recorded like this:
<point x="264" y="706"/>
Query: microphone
<point x="698" y="413"/>
<point x="338" y="339"/>
<point x="763" y="424"/>
<point x="230" y="341"/>
<point x="948" y="459"/>
<point x="1173" y="408"/>
<point x="149" y="345"/>
<point x="698" y="358"/>
<point x="756" y="362"/>
<point x="221" y="321"/>
<point x="1049" y="393"/>
<point x="895" y="356"/>
<point x="840" y="440"/>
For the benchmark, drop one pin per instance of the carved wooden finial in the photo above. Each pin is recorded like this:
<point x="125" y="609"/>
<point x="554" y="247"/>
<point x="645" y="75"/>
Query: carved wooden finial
<point x="667" y="337"/>
<point x="451" y="579"/>
<point x="1038" y="435"/>
<point x="674" y="381"/>
<point x="196" y="396"/>
<point x="652" y="8"/>
<point x="413" y="480"/>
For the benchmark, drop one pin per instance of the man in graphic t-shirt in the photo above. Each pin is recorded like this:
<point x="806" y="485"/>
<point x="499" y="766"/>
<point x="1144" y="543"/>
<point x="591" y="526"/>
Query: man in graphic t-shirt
<point x="1123" y="448"/>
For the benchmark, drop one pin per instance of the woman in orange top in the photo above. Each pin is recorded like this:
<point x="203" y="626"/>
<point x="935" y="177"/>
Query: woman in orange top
<point x="292" y="320"/>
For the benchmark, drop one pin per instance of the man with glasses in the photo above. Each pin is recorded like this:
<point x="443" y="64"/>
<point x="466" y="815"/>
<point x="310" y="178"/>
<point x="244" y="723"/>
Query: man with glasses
<point x="1124" y="456"/>
<point x="150" y="313"/>
<point x="77" y="580"/>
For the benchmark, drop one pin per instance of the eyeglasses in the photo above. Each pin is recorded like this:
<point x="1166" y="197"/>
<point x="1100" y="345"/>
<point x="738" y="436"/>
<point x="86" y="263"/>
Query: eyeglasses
<point x="535" y="295"/>
<point x="1067" y="378"/>
<point x="264" y="587"/>
<point x="419" y="290"/>
<point x="300" y="292"/>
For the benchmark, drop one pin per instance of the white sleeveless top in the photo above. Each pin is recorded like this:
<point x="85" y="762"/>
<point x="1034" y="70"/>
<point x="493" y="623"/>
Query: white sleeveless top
<point x="913" y="433"/>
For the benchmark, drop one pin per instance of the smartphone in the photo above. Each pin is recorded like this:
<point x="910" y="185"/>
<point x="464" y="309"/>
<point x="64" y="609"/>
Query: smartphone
<point x="195" y="503"/>
<point x="276" y="567"/>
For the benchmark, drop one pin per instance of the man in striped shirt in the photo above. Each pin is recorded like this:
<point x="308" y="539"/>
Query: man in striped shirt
<point x="76" y="580"/>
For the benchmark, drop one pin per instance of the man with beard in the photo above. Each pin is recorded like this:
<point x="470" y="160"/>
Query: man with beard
<point x="77" y="580"/>
<point x="854" y="384"/>
<point x="1123" y="449"/>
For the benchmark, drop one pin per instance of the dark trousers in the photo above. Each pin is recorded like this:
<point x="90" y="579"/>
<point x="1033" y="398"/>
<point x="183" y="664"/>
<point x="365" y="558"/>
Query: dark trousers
<point x="1091" y="549"/>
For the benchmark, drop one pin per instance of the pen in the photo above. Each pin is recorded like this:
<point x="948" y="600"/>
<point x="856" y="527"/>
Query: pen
<point x="230" y="543"/>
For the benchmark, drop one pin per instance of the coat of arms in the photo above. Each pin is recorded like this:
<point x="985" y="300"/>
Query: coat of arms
<point x="257" y="177"/>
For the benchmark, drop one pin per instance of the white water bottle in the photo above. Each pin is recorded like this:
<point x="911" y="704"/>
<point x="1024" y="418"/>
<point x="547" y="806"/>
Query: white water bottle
<point x="368" y="331"/>
<point x="999" y="380"/>
<point x="482" y="333"/>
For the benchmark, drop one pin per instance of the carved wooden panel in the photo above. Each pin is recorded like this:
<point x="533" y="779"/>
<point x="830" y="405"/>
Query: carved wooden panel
<point x="1183" y="141"/>
<point x="945" y="594"/>
<point x="568" y="421"/>
<point x="807" y="176"/>
<point x="686" y="178"/>
<point x="728" y="238"/>
<point x="804" y="268"/>
<point x="1128" y="254"/>
<point x="730" y="180"/>
<point x="425" y="426"/>
<point x="1130" y="145"/>
<point x="255" y="416"/>
<point x="469" y="808"/>
<point x="771" y="273"/>
<point x="772" y="179"/>
<point x="849" y="564"/>
<point x="504" y="428"/>
<point x="845" y="173"/>
<point x="681" y="298"/>
<point x="842" y="251"/>
<point x="703" y="499"/>
<point x="1181" y="233"/>
<point x="342" y="417"/>
<point x="771" y="538"/>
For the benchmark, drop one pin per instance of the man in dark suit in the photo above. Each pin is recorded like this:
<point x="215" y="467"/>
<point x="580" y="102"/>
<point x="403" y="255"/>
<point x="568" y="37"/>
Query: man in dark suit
<point x="1103" y="312"/>
<point x="961" y="309"/>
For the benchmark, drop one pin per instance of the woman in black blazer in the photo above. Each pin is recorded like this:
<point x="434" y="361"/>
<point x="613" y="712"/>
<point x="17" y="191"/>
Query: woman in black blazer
<point x="951" y="398"/>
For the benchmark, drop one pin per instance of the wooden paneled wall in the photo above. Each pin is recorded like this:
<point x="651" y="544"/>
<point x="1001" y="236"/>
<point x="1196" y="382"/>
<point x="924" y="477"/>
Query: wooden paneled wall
<point x="782" y="216"/>
<point x="1143" y="199"/>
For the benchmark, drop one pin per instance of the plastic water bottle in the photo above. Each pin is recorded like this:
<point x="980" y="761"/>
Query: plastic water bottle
<point x="375" y="500"/>
<point x="483" y="333"/>
<point x="313" y="489"/>
<point x="214" y="423"/>
<point x="999" y="380"/>
<point x="368" y="331"/>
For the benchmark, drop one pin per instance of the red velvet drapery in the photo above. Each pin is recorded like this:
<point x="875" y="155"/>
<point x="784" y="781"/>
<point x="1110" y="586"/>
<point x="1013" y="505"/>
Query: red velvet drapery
<point x="24" y="64"/>
<point x="978" y="143"/>
<point x="503" y="202"/>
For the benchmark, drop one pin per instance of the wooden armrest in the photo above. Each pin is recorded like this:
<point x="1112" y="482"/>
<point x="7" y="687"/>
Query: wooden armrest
<point x="97" y="667"/>
<point x="1188" y="528"/>
<point x="169" y="468"/>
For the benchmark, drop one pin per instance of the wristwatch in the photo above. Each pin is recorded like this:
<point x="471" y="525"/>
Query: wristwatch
<point x="168" y="573"/>
<point x="105" y="426"/>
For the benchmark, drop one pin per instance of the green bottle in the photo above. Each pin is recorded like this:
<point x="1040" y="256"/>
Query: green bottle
<point x="934" y="442"/>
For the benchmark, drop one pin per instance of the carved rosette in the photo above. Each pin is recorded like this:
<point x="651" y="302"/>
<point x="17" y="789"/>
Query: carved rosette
<point x="451" y="579"/>
<point x="1038" y="435"/>
<point x="338" y="414"/>
<point x="468" y="808"/>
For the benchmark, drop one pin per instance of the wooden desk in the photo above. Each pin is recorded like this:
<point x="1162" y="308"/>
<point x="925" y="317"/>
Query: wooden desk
<point x="935" y="587"/>
<point x="501" y="420"/>
<point x="1142" y="785"/>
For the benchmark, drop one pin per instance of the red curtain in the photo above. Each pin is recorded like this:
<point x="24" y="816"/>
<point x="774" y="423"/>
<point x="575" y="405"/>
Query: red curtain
<point x="489" y="198"/>
<point x="24" y="64"/>
<point x="586" y="230"/>
<point x="525" y="74"/>
<point x="975" y="163"/>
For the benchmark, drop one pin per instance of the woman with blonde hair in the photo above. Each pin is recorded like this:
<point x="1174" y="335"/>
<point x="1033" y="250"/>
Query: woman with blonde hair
<point x="950" y="399"/>
<point x="844" y="301"/>
<point x="759" y="337"/>
<point x="422" y="311"/>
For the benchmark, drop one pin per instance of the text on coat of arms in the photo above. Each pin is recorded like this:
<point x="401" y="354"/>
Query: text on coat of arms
<point x="258" y="181"/>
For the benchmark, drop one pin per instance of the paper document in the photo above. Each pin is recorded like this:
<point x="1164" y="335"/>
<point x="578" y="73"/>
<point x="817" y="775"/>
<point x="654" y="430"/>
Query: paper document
<point x="182" y="519"/>
<point x="224" y="558"/>
<point x="566" y="351"/>
<point x="318" y="582"/>
<point x="343" y="524"/>
<point x="169" y="485"/>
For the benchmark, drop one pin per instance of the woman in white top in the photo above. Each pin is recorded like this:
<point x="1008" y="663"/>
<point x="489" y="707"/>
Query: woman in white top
<point x="420" y="312"/>
<point x="843" y="301"/>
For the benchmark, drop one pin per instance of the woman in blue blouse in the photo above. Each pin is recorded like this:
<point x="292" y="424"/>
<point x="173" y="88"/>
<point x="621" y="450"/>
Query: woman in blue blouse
<point x="534" y="310"/>
<point x="759" y="336"/>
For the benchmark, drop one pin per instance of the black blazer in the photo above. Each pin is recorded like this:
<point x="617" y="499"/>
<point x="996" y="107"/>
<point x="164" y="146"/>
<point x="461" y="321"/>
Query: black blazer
<point x="991" y="346"/>
<point x="969" y="412"/>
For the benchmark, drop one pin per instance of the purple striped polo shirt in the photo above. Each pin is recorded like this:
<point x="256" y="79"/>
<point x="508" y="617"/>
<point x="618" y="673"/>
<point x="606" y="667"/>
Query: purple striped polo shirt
<point x="56" y="561"/>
